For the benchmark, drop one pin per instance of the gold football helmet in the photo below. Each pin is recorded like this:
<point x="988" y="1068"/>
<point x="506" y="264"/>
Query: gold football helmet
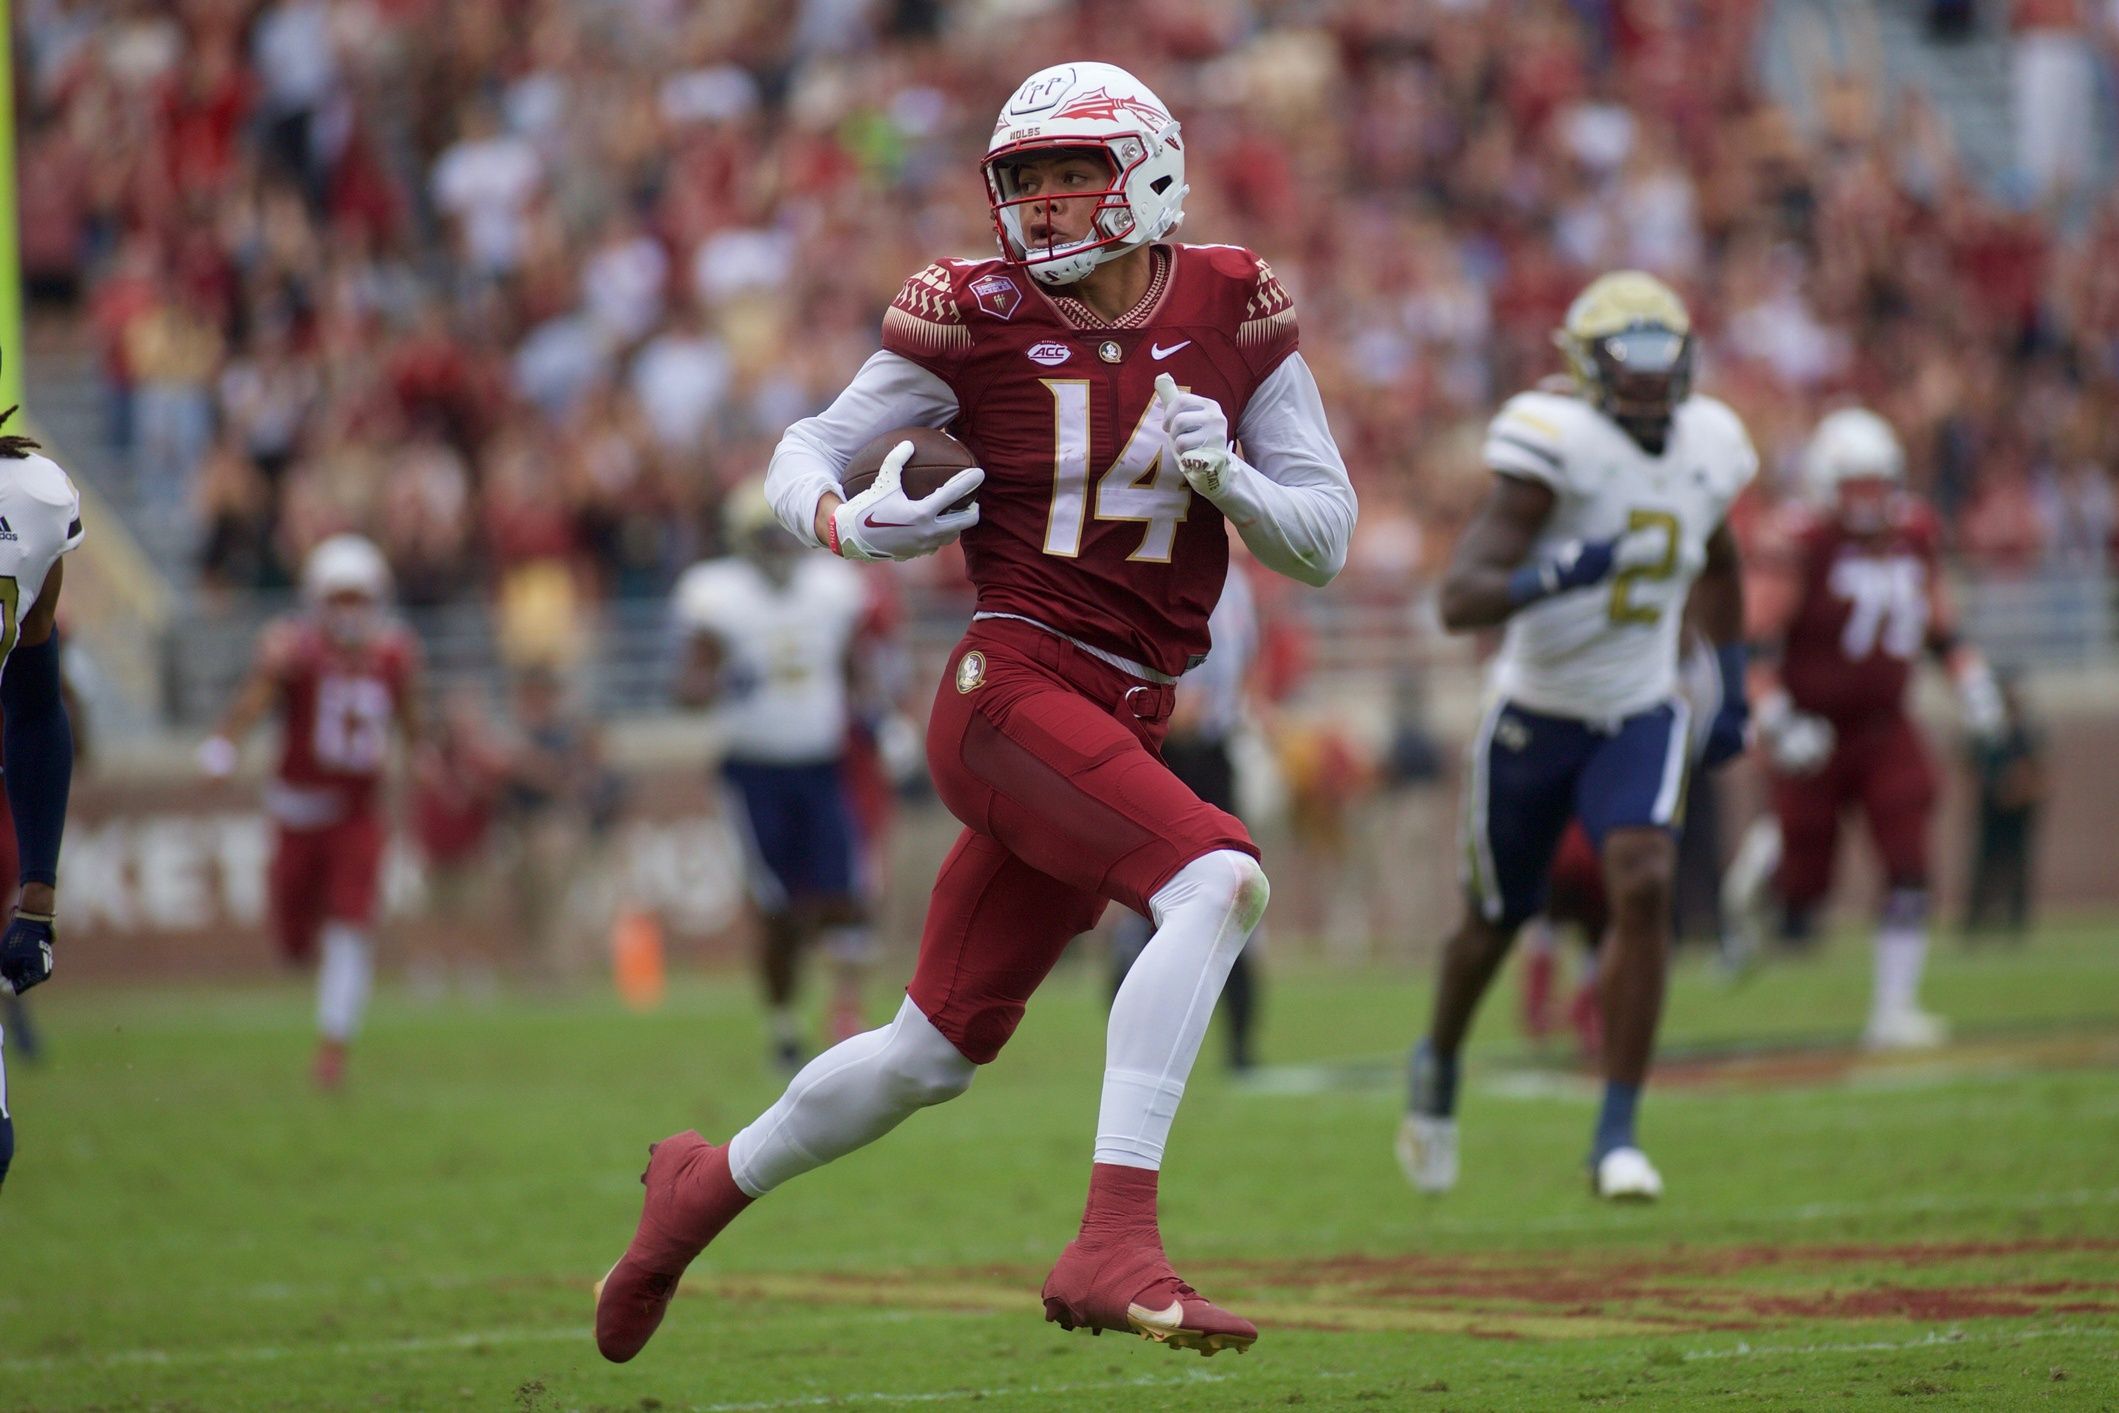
<point x="1628" y="342"/>
<point x="750" y="528"/>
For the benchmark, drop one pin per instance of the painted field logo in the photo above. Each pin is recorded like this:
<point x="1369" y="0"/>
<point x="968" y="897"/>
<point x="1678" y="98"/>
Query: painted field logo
<point x="971" y="671"/>
<point x="1051" y="354"/>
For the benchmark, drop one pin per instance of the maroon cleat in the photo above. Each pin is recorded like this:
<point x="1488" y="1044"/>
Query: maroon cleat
<point x="690" y="1198"/>
<point x="1127" y="1284"/>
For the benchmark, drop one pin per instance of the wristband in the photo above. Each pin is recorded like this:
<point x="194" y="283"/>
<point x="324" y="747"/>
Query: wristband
<point x="1733" y="659"/>
<point x="831" y="533"/>
<point x="1527" y="584"/>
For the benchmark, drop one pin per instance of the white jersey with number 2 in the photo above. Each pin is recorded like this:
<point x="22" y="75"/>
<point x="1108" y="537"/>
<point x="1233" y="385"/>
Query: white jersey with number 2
<point x="1611" y="650"/>
<point x="40" y="519"/>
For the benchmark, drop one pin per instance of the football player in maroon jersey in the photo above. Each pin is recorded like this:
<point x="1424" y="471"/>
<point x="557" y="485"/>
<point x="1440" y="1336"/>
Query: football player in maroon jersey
<point x="342" y="676"/>
<point x="1099" y="372"/>
<point x="1849" y="592"/>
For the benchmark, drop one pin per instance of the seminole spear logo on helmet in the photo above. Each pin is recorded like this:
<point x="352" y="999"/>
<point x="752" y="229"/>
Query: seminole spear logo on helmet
<point x="1628" y="342"/>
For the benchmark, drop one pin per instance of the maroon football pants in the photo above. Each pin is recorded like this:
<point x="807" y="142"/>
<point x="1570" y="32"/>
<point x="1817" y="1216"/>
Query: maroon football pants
<point x="331" y="874"/>
<point x="1050" y="757"/>
<point x="1879" y="764"/>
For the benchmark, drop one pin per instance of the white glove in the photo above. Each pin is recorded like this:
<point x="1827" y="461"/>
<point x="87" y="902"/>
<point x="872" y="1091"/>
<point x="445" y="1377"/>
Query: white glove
<point x="1979" y="698"/>
<point x="882" y="522"/>
<point x="1200" y="431"/>
<point x="217" y="757"/>
<point x="1797" y="742"/>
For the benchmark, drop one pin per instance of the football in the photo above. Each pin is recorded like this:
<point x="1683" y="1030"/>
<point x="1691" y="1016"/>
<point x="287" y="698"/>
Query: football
<point x="936" y="456"/>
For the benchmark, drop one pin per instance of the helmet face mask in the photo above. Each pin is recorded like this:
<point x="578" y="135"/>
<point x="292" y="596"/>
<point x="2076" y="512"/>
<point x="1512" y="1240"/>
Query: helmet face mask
<point x="1863" y="503"/>
<point x="1018" y="213"/>
<point x="349" y="616"/>
<point x="1083" y="110"/>
<point x="1628" y="341"/>
<point x="1643" y="373"/>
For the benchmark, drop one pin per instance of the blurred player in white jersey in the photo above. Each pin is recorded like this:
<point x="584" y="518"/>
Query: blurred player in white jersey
<point x="1607" y="509"/>
<point x="772" y="633"/>
<point x="40" y="521"/>
<point x="1210" y="704"/>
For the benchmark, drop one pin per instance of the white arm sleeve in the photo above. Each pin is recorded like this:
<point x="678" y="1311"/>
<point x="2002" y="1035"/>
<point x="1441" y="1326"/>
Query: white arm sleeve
<point x="889" y="391"/>
<point x="1291" y="501"/>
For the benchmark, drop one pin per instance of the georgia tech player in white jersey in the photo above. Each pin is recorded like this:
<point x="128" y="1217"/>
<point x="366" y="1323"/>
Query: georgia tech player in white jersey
<point x="772" y="634"/>
<point x="40" y="521"/>
<point x="1606" y="515"/>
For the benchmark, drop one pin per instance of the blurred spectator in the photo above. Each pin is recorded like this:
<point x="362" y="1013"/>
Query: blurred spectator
<point x="2054" y="77"/>
<point x="2011" y="775"/>
<point x="559" y="800"/>
<point x="456" y="781"/>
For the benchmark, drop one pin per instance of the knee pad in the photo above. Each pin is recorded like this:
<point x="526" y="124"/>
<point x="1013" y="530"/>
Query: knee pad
<point x="1227" y="880"/>
<point x="922" y="1066"/>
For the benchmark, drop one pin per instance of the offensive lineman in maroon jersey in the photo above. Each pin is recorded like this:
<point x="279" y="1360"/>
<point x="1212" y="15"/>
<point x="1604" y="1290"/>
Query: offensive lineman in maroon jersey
<point x="341" y="675"/>
<point x="1098" y="373"/>
<point x="1852" y="594"/>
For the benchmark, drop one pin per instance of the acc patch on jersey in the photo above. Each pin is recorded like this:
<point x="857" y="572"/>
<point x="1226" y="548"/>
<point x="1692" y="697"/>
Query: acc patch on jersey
<point x="996" y="294"/>
<point x="971" y="671"/>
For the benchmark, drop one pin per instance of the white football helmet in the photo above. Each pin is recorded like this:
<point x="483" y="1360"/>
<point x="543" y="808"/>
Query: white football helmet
<point x="1852" y="444"/>
<point x="1098" y="106"/>
<point x="345" y="564"/>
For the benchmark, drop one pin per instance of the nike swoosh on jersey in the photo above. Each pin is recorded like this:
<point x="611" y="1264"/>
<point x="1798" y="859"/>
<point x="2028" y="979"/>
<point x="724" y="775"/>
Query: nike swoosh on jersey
<point x="1159" y="353"/>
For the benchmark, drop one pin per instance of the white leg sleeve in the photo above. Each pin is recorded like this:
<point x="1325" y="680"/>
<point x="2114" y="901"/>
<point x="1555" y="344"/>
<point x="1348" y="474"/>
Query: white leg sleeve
<point x="1901" y="952"/>
<point x="852" y="1094"/>
<point x="1203" y="916"/>
<point x="343" y="981"/>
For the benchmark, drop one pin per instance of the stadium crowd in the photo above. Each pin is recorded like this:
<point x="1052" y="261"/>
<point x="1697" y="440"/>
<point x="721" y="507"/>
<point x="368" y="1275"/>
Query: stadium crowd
<point x="519" y="286"/>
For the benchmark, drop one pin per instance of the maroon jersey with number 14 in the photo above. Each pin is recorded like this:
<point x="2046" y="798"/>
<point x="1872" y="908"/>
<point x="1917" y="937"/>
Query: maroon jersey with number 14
<point x="1086" y="523"/>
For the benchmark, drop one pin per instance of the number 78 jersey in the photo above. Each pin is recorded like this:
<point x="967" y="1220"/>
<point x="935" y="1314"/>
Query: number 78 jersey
<point x="1609" y="651"/>
<point x="1086" y="522"/>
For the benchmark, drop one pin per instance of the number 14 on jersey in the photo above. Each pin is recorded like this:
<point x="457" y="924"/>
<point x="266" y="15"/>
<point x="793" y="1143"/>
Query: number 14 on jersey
<point x="1145" y="484"/>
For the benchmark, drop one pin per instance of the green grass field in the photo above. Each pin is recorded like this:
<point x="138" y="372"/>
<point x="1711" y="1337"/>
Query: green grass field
<point x="190" y="1227"/>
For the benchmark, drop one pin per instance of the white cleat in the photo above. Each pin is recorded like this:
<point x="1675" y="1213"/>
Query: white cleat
<point x="1909" y="1029"/>
<point x="1427" y="1152"/>
<point x="1626" y="1175"/>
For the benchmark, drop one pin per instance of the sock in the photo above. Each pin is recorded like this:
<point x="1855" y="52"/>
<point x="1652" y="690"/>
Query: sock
<point x="1901" y="951"/>
<point x="1615" y="1119"/>
<point x="7" y="1123"/>
<point x="1431" y="1082"/>
<point x="343" y="981"/>
<point x="1121" y="1202"/>
<point x="1203" y="916"/>
<point x="852" y="1094"/>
